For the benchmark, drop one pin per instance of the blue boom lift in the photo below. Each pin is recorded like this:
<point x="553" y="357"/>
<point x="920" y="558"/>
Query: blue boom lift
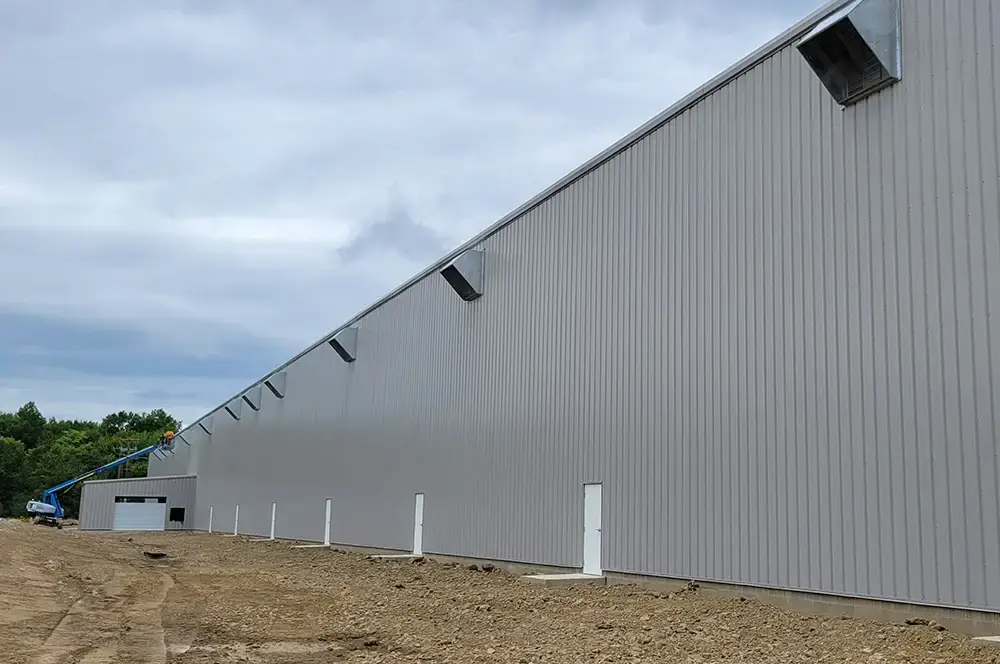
<point x="49" y="511"/>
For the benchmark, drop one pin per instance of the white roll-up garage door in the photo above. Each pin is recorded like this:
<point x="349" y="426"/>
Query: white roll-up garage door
<point x="140" y="516"/>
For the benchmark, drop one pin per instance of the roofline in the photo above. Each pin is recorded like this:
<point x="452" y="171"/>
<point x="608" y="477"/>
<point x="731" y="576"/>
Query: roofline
<point x="784" y="39"/>
<point x="140" y="479"/>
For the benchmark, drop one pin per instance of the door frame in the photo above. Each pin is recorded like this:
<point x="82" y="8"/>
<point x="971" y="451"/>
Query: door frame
<point x="593" y="545"/>
<point x="418" y="524"/>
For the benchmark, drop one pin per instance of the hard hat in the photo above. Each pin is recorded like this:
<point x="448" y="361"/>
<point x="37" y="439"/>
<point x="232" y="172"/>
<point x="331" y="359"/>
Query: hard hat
<point x="169" y="434"/>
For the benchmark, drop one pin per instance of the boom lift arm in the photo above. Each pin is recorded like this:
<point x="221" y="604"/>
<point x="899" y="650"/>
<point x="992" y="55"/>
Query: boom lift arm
<point x="50" y="510"/>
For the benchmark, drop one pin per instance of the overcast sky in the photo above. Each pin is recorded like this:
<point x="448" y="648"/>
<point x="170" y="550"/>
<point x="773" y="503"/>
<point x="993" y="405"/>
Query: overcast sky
<point x="191" y="192"/>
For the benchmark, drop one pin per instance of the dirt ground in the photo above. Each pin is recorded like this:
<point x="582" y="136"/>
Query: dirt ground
<point x="68" y="596"/>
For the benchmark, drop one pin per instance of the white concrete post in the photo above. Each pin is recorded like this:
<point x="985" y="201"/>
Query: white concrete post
<point x="274" y="509"/>
<point x="418" y="525"/>
<point x="236" y="522"/>
<point x="211" y="514"/>
<point x="326" y="529"/>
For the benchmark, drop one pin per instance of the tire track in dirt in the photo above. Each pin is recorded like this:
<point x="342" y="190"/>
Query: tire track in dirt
<point x="144" y="639"/>
<point x="119" y="621"/>
<point x="90" y="620"/>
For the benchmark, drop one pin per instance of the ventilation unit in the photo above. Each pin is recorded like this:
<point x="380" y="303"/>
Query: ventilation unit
<point x="465" y="274"/>
<point x="276" y="383"/>
<point x="206" y="425"/>
<point x="235" y="408"/>
<point x="856" y="51"/>
<point x="345" y="343"/>
<point x="252" y="397"/>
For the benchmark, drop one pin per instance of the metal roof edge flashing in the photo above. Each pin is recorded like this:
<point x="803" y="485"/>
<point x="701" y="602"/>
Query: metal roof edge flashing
<point x="141" y="479"/>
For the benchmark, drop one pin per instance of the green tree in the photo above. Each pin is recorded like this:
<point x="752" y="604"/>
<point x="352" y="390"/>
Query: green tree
<point x="8" y="425"/>
<point x="156" y="421"/>
<point x="55" y="428"/>
<point x="30" y="426"/>
<point x="13" y="480"/>
<point x="49" y="465"/>
<point x="36" y="454"/>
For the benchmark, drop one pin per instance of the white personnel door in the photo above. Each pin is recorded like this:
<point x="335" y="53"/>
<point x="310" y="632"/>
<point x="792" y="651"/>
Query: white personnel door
<point x="418" y="525"/>
<point x="140" y="516"/>
<point x="592" y="529"/>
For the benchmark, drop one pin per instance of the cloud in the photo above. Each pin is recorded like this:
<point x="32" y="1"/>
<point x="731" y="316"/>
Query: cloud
<point x="395" y="230"/>
<point x="38" y="346"/>
<point x="195" y="177"/>
<point x="74" y="395"/>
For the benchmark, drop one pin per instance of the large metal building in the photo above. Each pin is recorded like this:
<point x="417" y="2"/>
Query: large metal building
<point x="751" y="342"/>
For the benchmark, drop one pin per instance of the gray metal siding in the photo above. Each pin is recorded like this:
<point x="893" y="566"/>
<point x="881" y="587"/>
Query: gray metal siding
<point x="172" y="464"/>
<point x="97" y="503"/>
<point x="184" y="460"/>
<point x="765" y="327"/>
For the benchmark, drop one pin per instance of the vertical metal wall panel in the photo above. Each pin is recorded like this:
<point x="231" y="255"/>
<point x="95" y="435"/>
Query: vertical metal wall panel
<point x="765" y="327"/>
<point x="184" y="460"/>
<point x="97" y="502"/>
<point x="197" y="439"/>
<point x="170" y="464"/>
<point x="259" y="459"/>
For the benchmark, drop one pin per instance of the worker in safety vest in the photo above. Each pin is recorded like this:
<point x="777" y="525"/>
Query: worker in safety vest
<point x="167" y="440"/>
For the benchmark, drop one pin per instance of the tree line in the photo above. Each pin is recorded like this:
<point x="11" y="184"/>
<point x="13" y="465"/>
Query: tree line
<point x="37" y="453"/>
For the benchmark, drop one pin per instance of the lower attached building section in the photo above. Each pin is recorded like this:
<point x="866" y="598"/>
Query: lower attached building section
<point x="155" y="503"/>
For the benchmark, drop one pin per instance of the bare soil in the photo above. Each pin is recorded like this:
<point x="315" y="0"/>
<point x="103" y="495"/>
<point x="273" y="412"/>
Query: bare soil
<point x="68" y="596"/>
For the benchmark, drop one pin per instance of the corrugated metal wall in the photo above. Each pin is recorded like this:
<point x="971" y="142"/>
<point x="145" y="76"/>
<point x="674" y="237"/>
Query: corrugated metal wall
<point x="765" y="328"/>
<point x="173" y="464"/>
<point x="184" y="460"/>
<point x="97" y="503"/>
